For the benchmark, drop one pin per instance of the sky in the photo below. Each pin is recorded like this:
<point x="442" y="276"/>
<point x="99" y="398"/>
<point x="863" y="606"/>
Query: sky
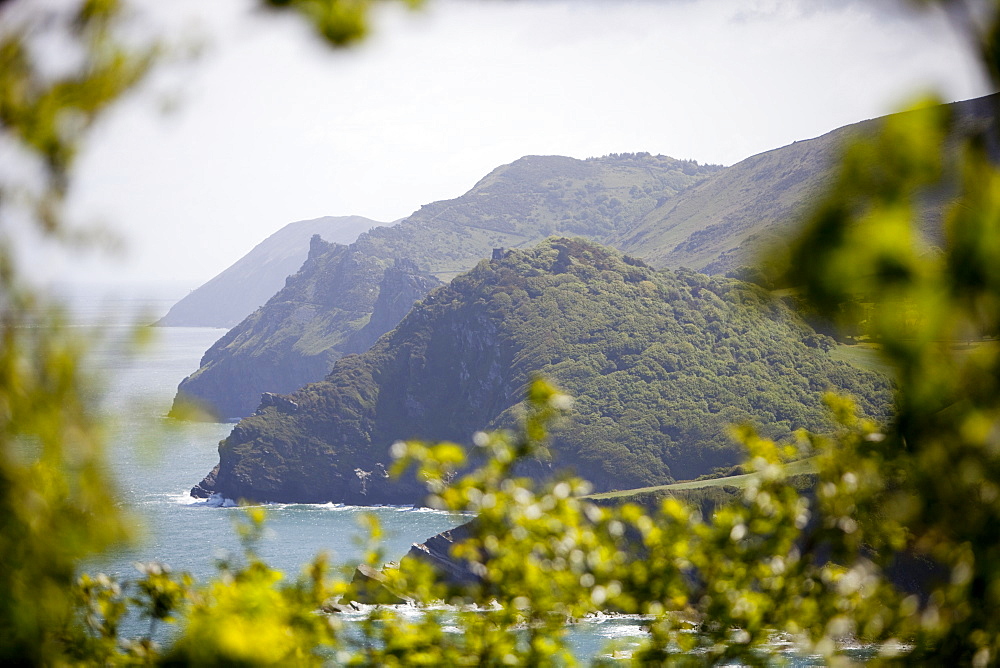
<point x="267" y="126"/>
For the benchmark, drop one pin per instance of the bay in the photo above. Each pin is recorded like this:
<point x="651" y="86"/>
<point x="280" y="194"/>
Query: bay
<point x="156" y="460"/>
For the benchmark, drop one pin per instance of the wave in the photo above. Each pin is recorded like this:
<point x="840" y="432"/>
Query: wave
<point x="219" y="501"/>
<point x="214" y="501"/>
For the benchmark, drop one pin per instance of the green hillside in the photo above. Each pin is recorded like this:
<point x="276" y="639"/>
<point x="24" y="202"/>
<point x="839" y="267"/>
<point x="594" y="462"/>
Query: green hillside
<point x="725" y="220"/>
<point x="296" y="336"/>
<point x="660" y="364"/>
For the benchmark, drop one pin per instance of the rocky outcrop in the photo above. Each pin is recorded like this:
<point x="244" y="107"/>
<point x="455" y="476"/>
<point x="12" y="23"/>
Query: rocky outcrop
<point x="660" y="363"/>
<point x="298" y="335"/>
<point x="206" y="487"/>
<point x="402" y="285"/>
<point x="279" y="401"/>
<point x="372" y="587"/>
<point x="242" y="288"/>
<point x="436" y="553"/>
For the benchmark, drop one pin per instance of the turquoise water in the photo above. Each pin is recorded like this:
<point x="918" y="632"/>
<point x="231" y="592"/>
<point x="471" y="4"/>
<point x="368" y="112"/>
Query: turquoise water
<point x="156" y="461"/>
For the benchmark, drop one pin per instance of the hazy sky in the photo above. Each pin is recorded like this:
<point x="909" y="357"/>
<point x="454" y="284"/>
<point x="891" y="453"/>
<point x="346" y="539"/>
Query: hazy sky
<point x="267" y="127"/>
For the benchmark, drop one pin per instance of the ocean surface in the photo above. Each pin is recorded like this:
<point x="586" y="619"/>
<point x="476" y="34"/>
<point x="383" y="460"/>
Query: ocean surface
<point x="156" y="460"/>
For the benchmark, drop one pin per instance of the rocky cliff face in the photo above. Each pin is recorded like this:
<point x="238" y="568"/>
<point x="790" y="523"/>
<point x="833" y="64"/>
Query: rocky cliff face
<point x="660" y="363"/>
<point x="295" y="338"/>
<point x="402" y="285"/>
<point x="320" y="314"/>
<point x="436" y="553"/>
<point x="242" y="288"/>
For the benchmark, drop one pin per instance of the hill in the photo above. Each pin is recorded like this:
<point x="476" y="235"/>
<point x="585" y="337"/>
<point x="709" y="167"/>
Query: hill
<point x="293" y="339"/>
<point x="722" y="222"/>
<point x="668" y="212"/>
<point x="242" y="288"/>
<point x="660" y="364"/>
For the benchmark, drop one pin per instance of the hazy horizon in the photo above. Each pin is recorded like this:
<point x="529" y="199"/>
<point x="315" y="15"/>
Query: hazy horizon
<point x="267" y="127"/>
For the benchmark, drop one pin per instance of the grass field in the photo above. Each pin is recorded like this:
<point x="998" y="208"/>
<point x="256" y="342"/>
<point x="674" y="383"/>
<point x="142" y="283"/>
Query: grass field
<point x="862" y="355"/>
<point x="799" y="467"/>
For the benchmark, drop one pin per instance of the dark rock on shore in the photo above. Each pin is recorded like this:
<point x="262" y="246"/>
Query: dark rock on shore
<point x="206" y="487"/>
<point x="436" y="552"/>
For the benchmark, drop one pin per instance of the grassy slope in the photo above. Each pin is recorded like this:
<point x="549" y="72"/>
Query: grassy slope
<point x="711" y="227"/>
<point x="519" y="204"/>
<point x="800" y="467"/>
<point x="724" y="221"/>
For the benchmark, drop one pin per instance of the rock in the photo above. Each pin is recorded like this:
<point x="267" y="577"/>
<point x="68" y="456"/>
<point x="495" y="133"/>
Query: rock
<point x="436" y="552"/>
<point x="279" y="401"/>
<point x="335" y="604"/>
<point x="402" y="284"/>
<point x="206" y="487"/>
<point x="372" y="587"/>
<point x="238" y="291"/>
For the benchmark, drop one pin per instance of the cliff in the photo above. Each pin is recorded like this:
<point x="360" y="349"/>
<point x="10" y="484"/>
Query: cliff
<point x="242" y="288"/>
<point x="660" y="364"/>
<point x="296" y="336"/>
<point x="323" y="312"/>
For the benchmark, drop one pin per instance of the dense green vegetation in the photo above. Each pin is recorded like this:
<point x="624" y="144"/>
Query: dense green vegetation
<point x="297" y="335"/>
<point x="661" y="364"/>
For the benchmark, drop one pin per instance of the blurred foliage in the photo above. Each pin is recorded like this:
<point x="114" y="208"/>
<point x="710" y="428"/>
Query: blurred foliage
<point x="47" y="104"/>
<point x="816" y="569"/>
<point x="934" y="477"/>
<point x="57" y="504"/>
<point x="339" y="22"/>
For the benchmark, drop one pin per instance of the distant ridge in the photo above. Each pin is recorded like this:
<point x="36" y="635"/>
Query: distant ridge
<point x="722" y="222"/>
<point x="241" y="289"/>
<point x="328" y="308"/>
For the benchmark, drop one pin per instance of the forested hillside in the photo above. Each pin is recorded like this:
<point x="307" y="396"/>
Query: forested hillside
<point x="304" y="327"/>
<point x="671" y="213"/>
<point x="660" y="363"/>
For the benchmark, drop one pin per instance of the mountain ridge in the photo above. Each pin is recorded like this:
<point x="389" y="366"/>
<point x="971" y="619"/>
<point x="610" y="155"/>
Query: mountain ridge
<point x="237" y="291"/>
<point x="509" y="207"/>
<point x="653" y="402"/>
<point x="669" y="212"/>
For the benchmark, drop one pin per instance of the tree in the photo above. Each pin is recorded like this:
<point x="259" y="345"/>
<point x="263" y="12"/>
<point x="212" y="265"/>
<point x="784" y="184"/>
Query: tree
<point x="818" y="566"/>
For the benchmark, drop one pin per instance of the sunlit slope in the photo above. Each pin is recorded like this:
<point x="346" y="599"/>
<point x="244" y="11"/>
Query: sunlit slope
<point x="533" y="198"/>
<point x="660" y="364"/>
<point x="724" y="221"/>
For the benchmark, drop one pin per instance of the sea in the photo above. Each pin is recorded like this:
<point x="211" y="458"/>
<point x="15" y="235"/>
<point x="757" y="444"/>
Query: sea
<point x="155" y="461"/>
